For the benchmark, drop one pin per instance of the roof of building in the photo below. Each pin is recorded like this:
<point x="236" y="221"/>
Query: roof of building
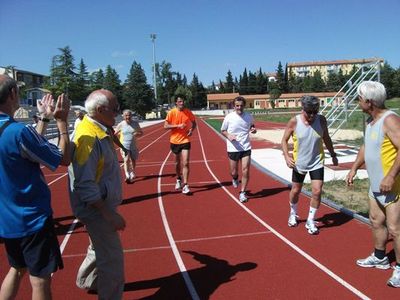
<point x="231" y="96"/>
<point x="334" y="62"/>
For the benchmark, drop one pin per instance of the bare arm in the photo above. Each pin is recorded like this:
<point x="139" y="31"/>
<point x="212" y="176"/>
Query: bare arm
<point x="170" y="126"/>
<point x="360" y="160"/>
<point x="328" y="141"/>
<point x="289" y="130"/>
<point x="61" y="115"/>
<point x="391" y="127"/>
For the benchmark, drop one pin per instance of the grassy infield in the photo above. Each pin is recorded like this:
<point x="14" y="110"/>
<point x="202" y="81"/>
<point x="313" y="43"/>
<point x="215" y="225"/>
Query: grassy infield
<point x="353" y="198"/>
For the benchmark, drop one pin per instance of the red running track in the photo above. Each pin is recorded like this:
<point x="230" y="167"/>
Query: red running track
<point x="210" y="246"/>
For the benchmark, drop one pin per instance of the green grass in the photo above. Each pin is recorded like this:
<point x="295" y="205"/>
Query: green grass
<point x="215" y="123"/>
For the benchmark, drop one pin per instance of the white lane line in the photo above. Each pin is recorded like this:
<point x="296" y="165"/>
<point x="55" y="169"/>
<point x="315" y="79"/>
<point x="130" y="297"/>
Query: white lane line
<point x="280" y="236"/>
<point x="178" y="258"/>
<point x="180" y="242"/>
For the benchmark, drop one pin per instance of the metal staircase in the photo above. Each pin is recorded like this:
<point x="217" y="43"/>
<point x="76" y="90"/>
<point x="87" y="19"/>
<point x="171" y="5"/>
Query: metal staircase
<point x="339" y="108"/>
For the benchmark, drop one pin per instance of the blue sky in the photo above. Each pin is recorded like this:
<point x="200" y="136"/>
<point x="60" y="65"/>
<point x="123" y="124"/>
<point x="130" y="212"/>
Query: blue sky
<point x="197" y="36"/>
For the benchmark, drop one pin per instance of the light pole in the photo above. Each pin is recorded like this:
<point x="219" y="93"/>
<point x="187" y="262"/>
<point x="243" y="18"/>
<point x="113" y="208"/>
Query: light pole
<point x="153" y="39"/>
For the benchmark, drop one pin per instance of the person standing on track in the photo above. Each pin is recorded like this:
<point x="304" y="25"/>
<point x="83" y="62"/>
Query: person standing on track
<point x="95" y="194"/>
<point x="309" y="132"/>
<point x="237" y="127"/>
<point x="128" y="130"/>
<point x="381" y="155"/>
<point x="26" y="223"/>
<point x="182" y="123"/>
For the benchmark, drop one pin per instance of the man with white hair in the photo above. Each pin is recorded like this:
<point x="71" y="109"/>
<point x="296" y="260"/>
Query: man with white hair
<point x="95" y="193"/>
<point x="380" y="153"/>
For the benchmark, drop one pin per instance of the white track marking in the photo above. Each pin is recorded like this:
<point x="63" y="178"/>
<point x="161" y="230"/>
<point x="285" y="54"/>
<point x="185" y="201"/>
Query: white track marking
<point x="280" y="236"/>
<point x="178" y="258"/>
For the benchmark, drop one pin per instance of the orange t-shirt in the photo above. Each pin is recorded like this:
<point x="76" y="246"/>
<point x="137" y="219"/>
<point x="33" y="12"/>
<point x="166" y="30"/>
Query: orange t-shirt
<point x="176" y="117"/>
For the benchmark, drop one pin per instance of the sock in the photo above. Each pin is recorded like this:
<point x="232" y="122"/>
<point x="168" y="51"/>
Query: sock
<point x="293" y="208"/>
<point x="379" y="253"/>
<point x="127" y="175"/>
<point x="311" y="213"/>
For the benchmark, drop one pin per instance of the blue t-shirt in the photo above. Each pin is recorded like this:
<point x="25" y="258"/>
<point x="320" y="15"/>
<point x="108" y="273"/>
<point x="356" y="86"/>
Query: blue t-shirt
<point x="24" y="194"/>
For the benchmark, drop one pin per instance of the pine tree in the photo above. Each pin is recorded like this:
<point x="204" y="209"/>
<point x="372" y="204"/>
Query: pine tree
<point x="229" y="85"/>
<point x="199" y="98"/>
<point x="137" y="94"/>
<point x="244" y="83"/>
<point x="112" y="82"/>
<point x="82" y="82"/>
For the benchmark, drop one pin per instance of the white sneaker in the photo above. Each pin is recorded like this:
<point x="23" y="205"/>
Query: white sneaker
<point x="311" y="228"/>
<point x="178" y="184"/>
<point x="132" y="175"/>
<point x="292" y="222"/>
<point x="243" y="197"/>
<point x="373" y="262"/>
<point x="394" y="281"/>
<point x="235" y="183"/>
<point x="185" y="189"/>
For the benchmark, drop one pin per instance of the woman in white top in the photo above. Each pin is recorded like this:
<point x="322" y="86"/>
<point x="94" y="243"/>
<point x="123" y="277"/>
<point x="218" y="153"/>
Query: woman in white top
<point x="127" y="130"/>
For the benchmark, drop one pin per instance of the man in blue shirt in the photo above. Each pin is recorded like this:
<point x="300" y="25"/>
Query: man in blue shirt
<point x="26" y="224"/>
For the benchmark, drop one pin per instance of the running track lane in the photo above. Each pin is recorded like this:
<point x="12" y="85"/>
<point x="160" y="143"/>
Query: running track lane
<point x="214" y="236"/>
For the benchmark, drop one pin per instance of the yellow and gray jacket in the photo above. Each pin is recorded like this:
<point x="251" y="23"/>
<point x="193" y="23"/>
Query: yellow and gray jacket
<point x="94" y="172"/>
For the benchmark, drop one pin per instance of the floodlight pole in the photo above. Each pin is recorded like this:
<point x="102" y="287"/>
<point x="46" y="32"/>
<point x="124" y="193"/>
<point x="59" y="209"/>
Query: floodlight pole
<point x="153" y="39"/>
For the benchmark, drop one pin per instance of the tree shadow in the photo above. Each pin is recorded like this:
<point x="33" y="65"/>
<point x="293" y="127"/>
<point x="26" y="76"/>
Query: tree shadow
<point x="267" y="192"/>
<point x="206" y="279"/>
<point x="148" y="177"/>
<point x="147" y="197"/>
<point x="208" y="187"/>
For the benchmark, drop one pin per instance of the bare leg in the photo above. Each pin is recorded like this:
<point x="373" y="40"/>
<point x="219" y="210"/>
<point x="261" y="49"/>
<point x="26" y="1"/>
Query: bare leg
<point x="393" y="223"/>
<point x="11" y="282"/>
<point x="178" y="165"/>
<point x="316" y="186"/>
<point x="41" y="287"/>
<point x="233" y="166"/>
<point x="379" y="229"/>
<point x="185" y="155"/>
<point x="245" y="172"/>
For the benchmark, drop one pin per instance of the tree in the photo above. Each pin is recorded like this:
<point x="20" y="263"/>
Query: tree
<point x="261" y="82"/>
<point x="252" y="84"/>
<point x="82" y="82"/>
<point x="62" y="74"/>
<point x="280" y="78"/>
<point x="229" y="86"/>
<point x="185" y="92"/>
<point x="387" y="79"/>
<point x="112" y="82"/>
<point x="96" y="80"/>
<point x="199" y="98"/>
<point x="317" y="83"/>
<point x="275" y="93"/>
<point x="243" y="83"/>
<point x="333" y="83"/>
<point x="137" y="94"/>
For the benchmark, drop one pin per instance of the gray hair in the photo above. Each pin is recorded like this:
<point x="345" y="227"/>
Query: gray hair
<point x="127" y="111"/>
<point x="6" y="85"/>
<point x="95" y="99"/>
<point x="310" y="102"/>
<point x="373" y="91"/>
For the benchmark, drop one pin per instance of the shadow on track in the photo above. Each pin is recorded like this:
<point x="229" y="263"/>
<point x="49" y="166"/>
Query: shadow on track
<point x="206" y="279"/>
<point x="267" y="192"/>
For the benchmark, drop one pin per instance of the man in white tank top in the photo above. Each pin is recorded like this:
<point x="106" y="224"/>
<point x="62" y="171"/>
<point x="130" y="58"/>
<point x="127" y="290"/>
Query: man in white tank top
<point x="237" y="127"/>
<point x="309" y="132"/>
<point x="381" y="157"/>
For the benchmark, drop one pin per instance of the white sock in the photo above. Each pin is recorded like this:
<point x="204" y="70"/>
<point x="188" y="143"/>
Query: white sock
<point x="311" y="213"/>
<point x="127" y="175"/>
<point x="131" y="175"/>
<point x="293" y="208"/>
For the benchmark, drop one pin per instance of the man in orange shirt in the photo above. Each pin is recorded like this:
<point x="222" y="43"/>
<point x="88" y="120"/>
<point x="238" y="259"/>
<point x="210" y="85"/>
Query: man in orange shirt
<point x="182" y="122"/>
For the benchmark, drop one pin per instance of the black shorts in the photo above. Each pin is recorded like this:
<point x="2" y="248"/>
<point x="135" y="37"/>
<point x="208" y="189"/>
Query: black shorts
<point x="38" y="252"/>
<point x="177" y="148"/>
<point x="236" y="156"/>
<point x="314" y="175"/>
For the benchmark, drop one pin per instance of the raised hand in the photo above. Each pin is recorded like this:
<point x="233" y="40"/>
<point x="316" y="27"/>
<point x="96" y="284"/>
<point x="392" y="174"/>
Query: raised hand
<point x="45" y="106"/>
<point x="61" y="110"/>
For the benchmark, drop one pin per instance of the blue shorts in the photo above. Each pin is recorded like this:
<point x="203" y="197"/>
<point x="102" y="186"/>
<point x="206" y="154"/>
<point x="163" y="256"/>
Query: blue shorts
<point x="38" y="252"/>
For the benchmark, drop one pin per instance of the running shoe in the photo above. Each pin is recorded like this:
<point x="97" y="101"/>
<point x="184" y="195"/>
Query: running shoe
<point x="394" y="281"/>
<point x="292" y="221"/>
<point x="311" y="228"/>
<point x="235" y="183"/>
<point x="243" y="197"/>
<point x="185" y="189"/>
<point x="132" y="175"/>
<point x="373" y="262"/>
<point x="178" y="184"/>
